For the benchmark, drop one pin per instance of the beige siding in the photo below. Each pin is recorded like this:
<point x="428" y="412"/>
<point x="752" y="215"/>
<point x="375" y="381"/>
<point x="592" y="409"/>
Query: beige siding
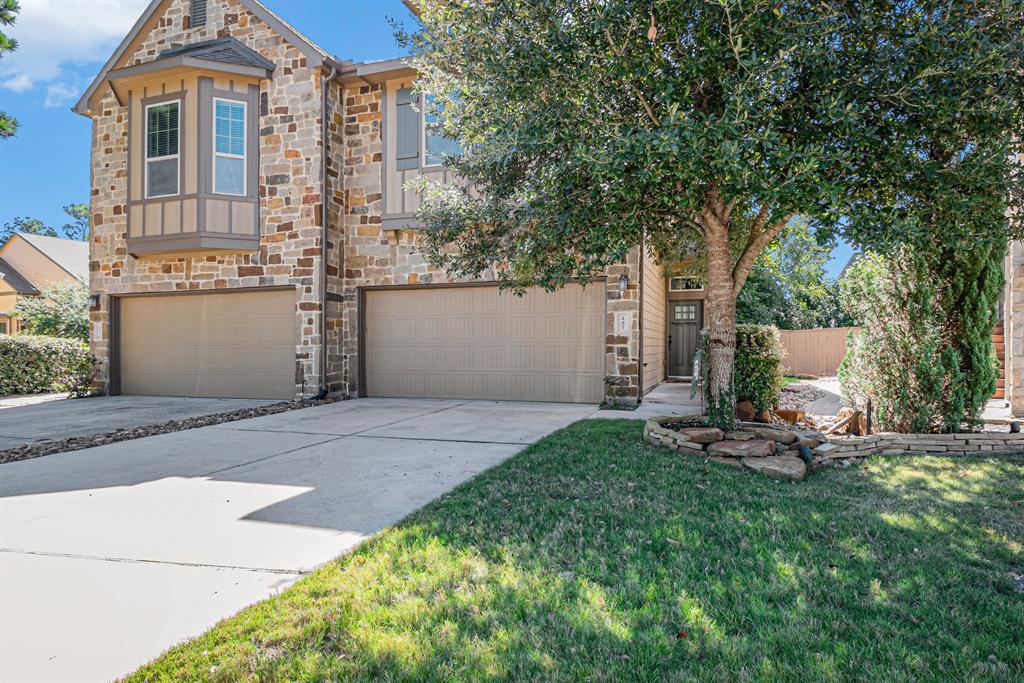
<point x="814" y="352"/>
<point x="653" y="302"/>
<point x="30" y="262"/>
<point x="239" y="345"/>
<point x="482" y="343"/>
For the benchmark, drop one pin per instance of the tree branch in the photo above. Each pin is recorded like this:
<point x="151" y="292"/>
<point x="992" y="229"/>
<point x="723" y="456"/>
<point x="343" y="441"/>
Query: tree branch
<point x="620" y="52"/>
<point x="753" y="249"/>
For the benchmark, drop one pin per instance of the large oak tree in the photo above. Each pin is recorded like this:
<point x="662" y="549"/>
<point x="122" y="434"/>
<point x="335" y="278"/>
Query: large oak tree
<point x="690" y="127"/>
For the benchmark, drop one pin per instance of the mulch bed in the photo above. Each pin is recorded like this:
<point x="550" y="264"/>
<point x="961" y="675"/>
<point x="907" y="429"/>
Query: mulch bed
<point x="37" y="449"/>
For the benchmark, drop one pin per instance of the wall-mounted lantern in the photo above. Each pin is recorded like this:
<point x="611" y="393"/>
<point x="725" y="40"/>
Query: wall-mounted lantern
<point x="623" y="282"/>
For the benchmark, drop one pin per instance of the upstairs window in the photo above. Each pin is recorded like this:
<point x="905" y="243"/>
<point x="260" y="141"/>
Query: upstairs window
<point x="162" y="124"/>
<point x="436" y="146"/>
<point x="229" y="147"/>
<point x="198" y="13"/>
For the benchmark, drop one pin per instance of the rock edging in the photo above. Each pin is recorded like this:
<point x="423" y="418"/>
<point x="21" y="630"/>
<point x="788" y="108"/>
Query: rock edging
<point x="754" y="447"/>
<point x="37" y="449"/>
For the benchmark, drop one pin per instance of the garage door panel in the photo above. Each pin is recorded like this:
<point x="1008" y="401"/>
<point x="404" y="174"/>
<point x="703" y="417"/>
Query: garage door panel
<point x="481" y="343"/>
<point x="238" y="345"/>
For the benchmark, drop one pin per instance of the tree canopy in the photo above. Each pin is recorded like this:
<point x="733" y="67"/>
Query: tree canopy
<point x="75" y="229"/>
<point x="699" y="128"/>
<point x="8" y="13"/>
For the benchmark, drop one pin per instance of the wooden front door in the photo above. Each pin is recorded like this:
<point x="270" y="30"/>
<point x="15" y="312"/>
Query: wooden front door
<point x="685" y="318"/>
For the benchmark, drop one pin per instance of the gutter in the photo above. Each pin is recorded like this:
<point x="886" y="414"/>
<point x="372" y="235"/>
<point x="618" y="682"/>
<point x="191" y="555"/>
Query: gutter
<point x="324" y="81"/>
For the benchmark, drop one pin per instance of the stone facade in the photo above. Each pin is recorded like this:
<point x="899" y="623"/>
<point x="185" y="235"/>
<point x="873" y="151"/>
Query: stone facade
<point x="1013" y="328"/>
<point x="360" y="253"/>
<point x="289" y="251"/>
<point x="373" y="256"/>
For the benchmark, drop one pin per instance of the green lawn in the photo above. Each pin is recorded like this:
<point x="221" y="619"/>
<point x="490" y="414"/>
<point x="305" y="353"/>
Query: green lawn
<point x="593" y="556"/>
<point x="789" y="379"/>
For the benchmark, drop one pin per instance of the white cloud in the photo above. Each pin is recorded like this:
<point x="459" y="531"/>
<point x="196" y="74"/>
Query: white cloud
<point x="58" y="94"/>
<point x="54" y="36"/>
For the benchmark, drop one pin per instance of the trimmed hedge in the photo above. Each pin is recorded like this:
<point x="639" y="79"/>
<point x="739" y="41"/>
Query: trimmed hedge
<point x="758" y="368"/>
<point x="31" y="364"/>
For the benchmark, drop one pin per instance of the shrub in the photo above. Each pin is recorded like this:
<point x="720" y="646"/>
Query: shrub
<point x="924" y="354"/>
<point x="32" y="364"/>
<point x="62" y="311"/>
<point x="759" y="355"/>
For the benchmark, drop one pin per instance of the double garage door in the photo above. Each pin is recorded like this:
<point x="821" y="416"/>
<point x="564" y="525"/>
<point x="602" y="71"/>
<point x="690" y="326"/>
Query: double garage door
<point x="239" y="345"/>
<point x="478" y="342"/>
<point x="446" y="342"/>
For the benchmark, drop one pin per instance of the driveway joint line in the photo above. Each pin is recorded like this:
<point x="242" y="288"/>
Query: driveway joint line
<point x="133" y="560"/>
<point x="422" y="438"/>
<point x="268" y="457"/>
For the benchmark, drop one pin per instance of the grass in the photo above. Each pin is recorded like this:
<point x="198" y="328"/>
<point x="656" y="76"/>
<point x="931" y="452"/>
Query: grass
<point x="594" y="556"/>
<point x="789" y="379"/>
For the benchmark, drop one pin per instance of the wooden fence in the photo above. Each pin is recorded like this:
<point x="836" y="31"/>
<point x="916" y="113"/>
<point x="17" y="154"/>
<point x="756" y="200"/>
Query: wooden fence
<point x="815" y="352"/>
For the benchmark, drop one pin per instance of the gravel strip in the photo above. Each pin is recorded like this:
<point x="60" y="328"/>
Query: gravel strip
<point x="797" y="396"/>
<point x="37" y="449"/>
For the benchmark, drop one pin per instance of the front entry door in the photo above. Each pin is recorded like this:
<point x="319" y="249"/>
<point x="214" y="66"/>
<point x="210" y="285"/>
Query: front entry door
<point x="684" y="322"/>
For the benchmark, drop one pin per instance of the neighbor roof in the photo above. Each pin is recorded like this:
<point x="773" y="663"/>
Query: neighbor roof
<point x="15" y="279"/>
<point x="315" y="55"/>
<point x="71" y="255"/>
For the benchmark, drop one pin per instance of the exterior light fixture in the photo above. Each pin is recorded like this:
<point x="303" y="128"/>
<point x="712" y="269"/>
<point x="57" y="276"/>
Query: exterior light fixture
<point x="623" y="282"/>
<point x="94" y="300"/>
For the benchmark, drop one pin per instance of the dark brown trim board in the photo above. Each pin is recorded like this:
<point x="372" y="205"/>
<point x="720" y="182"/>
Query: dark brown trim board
<point x="114" y="352"/>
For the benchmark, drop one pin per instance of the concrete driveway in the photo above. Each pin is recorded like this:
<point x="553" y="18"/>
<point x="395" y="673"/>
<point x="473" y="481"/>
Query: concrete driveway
<point x="67" y="418"/>
<point x="110" y="555"/>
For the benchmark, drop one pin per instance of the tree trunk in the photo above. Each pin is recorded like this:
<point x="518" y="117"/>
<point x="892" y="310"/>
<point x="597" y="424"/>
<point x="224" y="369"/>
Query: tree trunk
<point x="720" y="320"/>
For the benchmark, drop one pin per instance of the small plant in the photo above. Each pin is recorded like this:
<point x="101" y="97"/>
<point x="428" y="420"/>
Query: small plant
<point x="758" y="376"/>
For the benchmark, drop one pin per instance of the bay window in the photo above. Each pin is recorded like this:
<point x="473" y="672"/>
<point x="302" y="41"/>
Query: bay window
<point x="162" y="172"/>
<point x="229" y="147"/>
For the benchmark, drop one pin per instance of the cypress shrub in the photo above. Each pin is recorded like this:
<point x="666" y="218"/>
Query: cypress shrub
<point x="31" y="364"/>
<point x="924" y="355"/>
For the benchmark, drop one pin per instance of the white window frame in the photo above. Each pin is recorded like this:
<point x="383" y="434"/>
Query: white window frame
<point x="145" y="151"/>
<point x="688" y="289"/>
<point x="245" y="147"/>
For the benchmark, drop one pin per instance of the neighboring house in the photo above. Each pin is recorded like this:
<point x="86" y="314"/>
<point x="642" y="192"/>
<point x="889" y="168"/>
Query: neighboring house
<point x="223" y="142"/>
<point x="31" y="264"/>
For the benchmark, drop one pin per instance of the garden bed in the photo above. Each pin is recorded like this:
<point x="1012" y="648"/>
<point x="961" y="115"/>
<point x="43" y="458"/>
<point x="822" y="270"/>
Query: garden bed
<point x="787" y="451"/>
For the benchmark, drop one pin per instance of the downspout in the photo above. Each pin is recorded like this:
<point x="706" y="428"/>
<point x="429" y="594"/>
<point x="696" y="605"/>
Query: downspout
<point x="324" y="81"/>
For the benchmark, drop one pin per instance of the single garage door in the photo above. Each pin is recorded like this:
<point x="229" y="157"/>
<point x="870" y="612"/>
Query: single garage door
<point x="238" y="345"/>
<point x="483" y="343"/>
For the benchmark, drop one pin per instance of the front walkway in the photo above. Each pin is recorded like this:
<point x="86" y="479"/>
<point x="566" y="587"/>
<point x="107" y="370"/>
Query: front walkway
<point x="110" y="555"/>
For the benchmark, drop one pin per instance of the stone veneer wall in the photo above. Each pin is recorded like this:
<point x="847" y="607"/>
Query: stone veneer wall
<point x="891" y="443"/>
<point x="374" y="256"/>
<point x="289" y="206"/>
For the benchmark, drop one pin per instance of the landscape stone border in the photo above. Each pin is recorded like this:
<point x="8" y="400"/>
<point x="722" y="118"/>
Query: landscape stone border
<point x="762" y="448"/>
<point x="892" y="443"/>
<point x="37" y="449"/>
<point x="844" y="449"/>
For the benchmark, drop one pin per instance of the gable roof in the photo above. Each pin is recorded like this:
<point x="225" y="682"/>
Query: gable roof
<point x="71" y="255"/>
<point x="315" y="55"/>
<point x="16" y="280"/>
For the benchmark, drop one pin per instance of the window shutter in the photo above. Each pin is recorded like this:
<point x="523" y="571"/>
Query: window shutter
<point x="407" y="127"/>
<point x="198" y="13"/>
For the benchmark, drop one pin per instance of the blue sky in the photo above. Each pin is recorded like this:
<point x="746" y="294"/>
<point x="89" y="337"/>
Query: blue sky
<point x="65" y="42"/>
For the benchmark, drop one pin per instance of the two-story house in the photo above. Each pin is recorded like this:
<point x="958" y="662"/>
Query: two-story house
<point x="253" y="235"/>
